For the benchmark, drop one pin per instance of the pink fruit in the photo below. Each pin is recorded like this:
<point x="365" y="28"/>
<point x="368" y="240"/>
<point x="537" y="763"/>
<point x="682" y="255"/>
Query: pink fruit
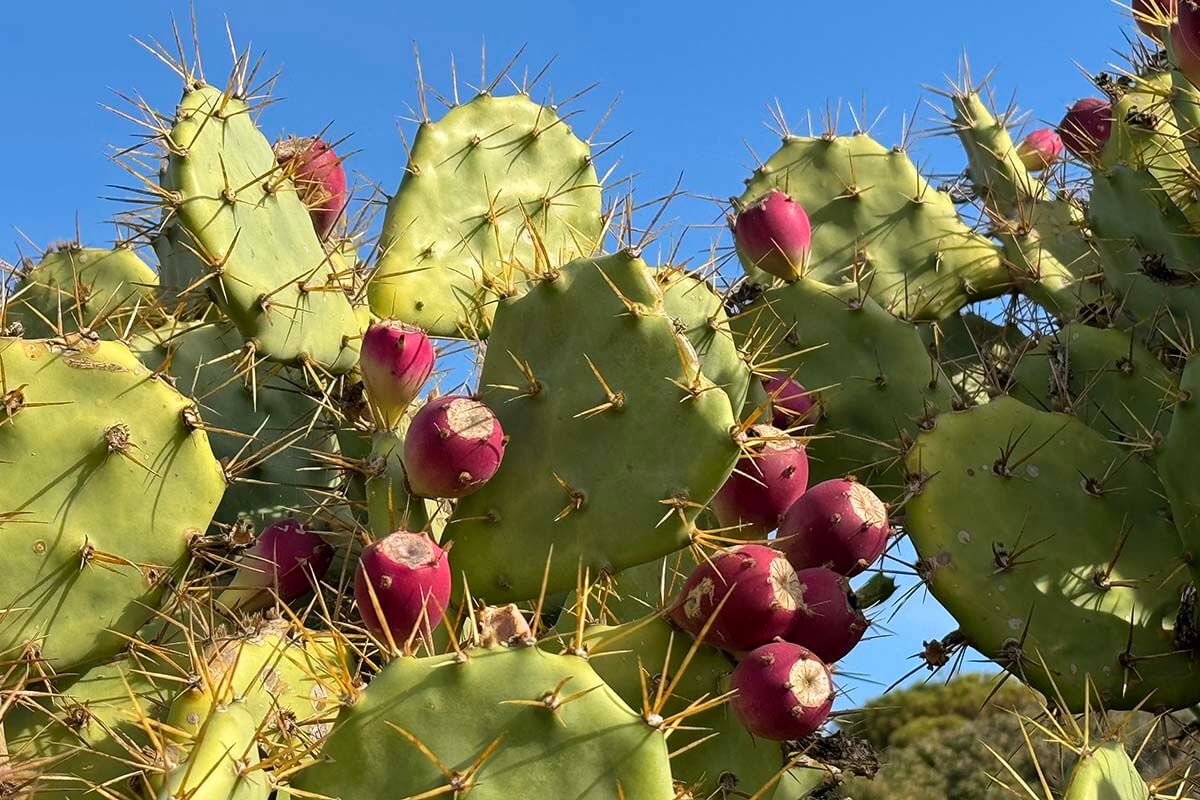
<point x="774" y="235"/>
<point x="454" y="446"/>
<point x="1152" y="16"/>
<point x="828" y="620"/>
<point x="761" y="588"/>
<point x="1040" y="149"/>
<point x="763" y="484"/>
<point x="402" y="585"/>
<point x="1185" y="40"/>
<point x="1086" y="127"/>
<point x="286" y="558"/>
<point x="839" y="524"/>
<point x="784" y="692"/>
<point x="319" y="178"/>
<point x="792" y="403"/>
<point x="395" y="361"/>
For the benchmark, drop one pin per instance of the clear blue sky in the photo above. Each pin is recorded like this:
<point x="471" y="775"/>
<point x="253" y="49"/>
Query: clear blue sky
<point x="694" y="80"/>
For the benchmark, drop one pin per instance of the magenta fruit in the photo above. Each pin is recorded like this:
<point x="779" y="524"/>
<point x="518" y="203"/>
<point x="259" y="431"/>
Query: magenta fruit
<point x="792" y="404"/>
<point x="319" y="177"/>
<point x="828" y="620"/>
<point x="454" y="446"/>
<point x="402" y="586"/>
<point x="1040" y="149"/>
<point x="395" y="362"/>
<point x="774" y="234"/>
<point x="839" y="524"/>
<point x="286" y="558"/>
<point x="755" y="588"/>
<point x="1086" y="127"/>
<point x="784" y="692"/>
<point x="1154" y="16"/>
<point x="763" y="485"/>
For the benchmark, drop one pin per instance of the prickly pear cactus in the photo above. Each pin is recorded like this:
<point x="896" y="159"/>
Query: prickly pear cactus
<point x="111" y="477"/>
<point x="497" y="723"/>
<point x="1050" y="546"/>
<point x="618" y="437"/>
<point x="876" y="382"/>
<point x="83" y="289"/>
<point x="243" y="216"/>
<point x="877" y="221"/>
<point x="266" y="425"/>
<point x="496" y="192"/>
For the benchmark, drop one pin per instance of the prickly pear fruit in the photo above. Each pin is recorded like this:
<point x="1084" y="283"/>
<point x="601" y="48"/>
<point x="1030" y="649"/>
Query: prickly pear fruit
<point x="1185" y="40"/>
<point x="1154" y="16"/>
<point x="319" y="177"/>
<point x="791" y="402"/>
<point x="286" y="558"/>
<point x="402" y="586"/>
<point x="395" y="361"/>
<point x="764" y="484"/>
<point x="760" y="586"/>
<point x="1040" y="149"/>
<point x="828" y="620"/>
<point x="773" y="234"/>
<point x="454" y="446"/>
<point x="783" y="692"/>
<point x="1086" y="127"/>
<point x="839" y="524"/>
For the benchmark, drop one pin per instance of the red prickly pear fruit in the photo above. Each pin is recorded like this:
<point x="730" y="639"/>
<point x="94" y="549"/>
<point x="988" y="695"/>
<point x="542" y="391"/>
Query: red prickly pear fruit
<point x="839" y="524"/>
<point x="763" y="484"/>
<point x="287" y="558"/>
<point x="774" y="235"/>
<point x="1185" y="40"/>
<point x="454" y="446"/>
<point x="1086" y="127"/>
<point x="1040" y="149"/>
<point x="828" y="620"/>
<point x="405" y="577"/>
<point x="319" y="178"/>
<point x="395" y="361"/>
<point x="791" y="402"/>
<point x="758" y="587"/>
<point x="1154" y="16"/>
<point x="784" y="692"/>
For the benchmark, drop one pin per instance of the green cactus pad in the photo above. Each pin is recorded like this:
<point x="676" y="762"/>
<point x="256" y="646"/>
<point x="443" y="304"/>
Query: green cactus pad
<point x="243" y="215"/>
<point x="89" y="733"/>
<point x="1106" y="773"/>
<point x="1017" y="515"/>
<point x="222" y="761"/>
<point x="1104" y="376"/>
<point x="875" y="216"/>
<point x="267" y="414"/>
<point x="108" y="481"/>
<point x="732" y="760"/>
<point x="496" y="191"/>
<point x="585" y="749"/>
<point x="83" y="288"/>
<point x="881" y="381"/>
<point x="1177" y="462"/>
<point x="637" y="470"/>
<point x="995" y="169"/>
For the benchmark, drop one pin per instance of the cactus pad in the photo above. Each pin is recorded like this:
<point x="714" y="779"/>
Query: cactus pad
<point x="875" y="379"/>
<point x="109" y="480"/>
<point x="242" y="214"/>
<point x="877" y="220"/>
<point x="617" y="436"/>
<point x="1049" y="546"/>
<point x="501" y="723"/>
<point x="495" y="192"/>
